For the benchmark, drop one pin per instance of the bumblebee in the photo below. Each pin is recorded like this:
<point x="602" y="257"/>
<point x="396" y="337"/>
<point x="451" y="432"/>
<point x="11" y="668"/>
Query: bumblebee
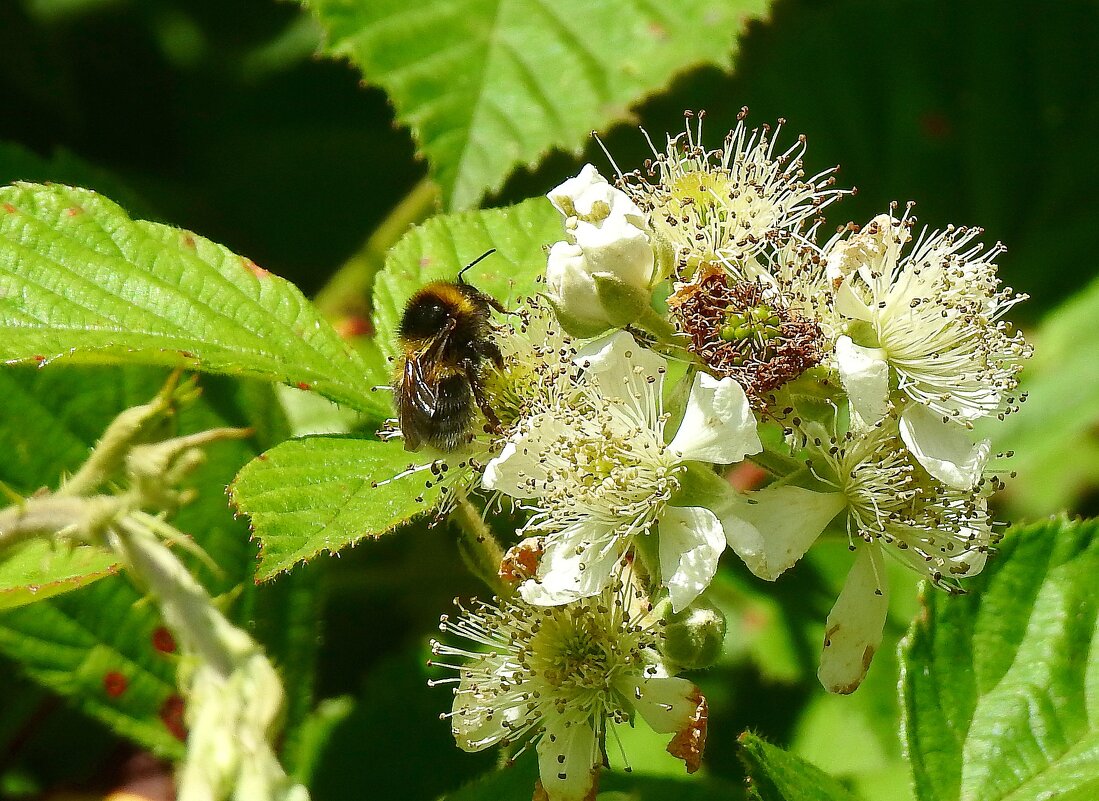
<point x="447" y="344"/>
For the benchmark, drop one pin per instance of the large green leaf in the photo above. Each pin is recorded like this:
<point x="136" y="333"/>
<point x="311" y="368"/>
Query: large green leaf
<point x="1001" y="686"/>
<point x="321" y="493"/>
<point x="439" y="248"/>
<point x="775" y="775"/>
<point x="79" y="279"/>
<point x="487" y="85"/>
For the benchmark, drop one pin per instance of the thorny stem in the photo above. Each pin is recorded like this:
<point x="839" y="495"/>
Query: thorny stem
<point x="50" y="514"/>
<point x="185" y="605"/>
<point x="127" y="429"/>
<point x="348" y="290"/>
<point x="478" y="544"/>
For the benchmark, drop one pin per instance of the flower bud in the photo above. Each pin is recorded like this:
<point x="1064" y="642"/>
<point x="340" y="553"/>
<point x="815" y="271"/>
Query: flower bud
<point x="694" y="636"/>
<point x="605" y="236"/>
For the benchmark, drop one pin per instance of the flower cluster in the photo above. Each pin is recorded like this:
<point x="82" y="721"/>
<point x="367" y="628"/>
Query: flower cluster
<point x="690" y="307"/>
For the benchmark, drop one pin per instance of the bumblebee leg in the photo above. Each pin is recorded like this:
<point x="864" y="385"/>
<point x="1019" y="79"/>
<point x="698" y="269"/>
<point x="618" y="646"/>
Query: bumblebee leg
<point x="475" y="385"/>
<point x="492" y="351"/>
<point x="494" y="303"/>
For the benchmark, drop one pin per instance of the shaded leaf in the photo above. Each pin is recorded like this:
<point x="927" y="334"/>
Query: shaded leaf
<point x="79" y="279"/>
<point x="487" y="85"/>
<point x="1001" y="686"/>
<point x="317" y="494"/>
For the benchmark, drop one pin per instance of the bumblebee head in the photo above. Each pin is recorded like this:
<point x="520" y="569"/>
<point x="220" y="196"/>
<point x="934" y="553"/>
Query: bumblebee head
<point x="429" y="311"/>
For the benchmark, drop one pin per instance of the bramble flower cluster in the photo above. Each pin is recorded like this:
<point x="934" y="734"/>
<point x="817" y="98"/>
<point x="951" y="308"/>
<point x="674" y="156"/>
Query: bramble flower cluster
<point x="691" y="306"/>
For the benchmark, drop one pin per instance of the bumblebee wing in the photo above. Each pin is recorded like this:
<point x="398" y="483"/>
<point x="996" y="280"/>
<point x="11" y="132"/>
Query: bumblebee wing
<point x="423" y="392"/>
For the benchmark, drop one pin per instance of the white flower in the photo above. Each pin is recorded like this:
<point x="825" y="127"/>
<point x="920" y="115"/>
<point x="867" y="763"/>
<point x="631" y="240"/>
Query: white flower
<point x="557" y="677"/>
<point x="596" y="472"/>
<point x="606" y="244"/>
<point x="727" y="205"/>
<point x="933" y="319"/>
<point x="890" y="505"/>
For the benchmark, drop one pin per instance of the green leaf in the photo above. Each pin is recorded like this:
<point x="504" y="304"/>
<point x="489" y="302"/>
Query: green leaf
<point x="775" y="775"/>
<point x="1001" y="686"/>
<point x="439" y="248"/>
<point x="38" y="570"/>
<point x="318" y="494"/>
<point x="1060" y="416"/>
<point x="79" y="279"/>
<point x="487" y="85"/>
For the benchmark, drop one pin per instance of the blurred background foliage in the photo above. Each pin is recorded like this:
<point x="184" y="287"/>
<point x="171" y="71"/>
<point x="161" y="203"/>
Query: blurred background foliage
<point x="217" y="117"/>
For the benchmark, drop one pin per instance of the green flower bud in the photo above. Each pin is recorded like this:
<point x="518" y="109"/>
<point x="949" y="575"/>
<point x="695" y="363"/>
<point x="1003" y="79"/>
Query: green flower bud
<point x="693" y="637"/>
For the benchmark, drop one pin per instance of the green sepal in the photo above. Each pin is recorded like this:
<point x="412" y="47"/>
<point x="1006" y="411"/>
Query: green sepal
<point x="574" y="327"/>
<point x="700" y="486"/>
<point x="623" y="303"/>
<point x="694" y="637"/>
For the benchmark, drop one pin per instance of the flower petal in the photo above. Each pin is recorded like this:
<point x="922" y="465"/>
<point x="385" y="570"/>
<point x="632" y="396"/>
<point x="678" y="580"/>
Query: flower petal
<point x="618" y="247"/>
<point x="517" y="470"/>
<point x="691" y="542"/>
<point x="567" y="758"/>
<point x="718" y="426"/>
<point x="865" y="376"/>
<point x="666" y="704"/>
<point x="578" y="196"/>
<point x="775" y="531"/>
<point x="853" y="631"/>
<point x="849" y="304"/>
<point x="623" y="370"/>
<point x="569" y="281"/>
<point x="573" y="566"/>
<point x="943" y="448"/>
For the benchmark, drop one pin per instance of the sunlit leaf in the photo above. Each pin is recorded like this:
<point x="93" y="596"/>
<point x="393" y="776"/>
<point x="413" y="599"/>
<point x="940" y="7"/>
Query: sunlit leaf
<point x="323" y="493"/>
<point x="82" y="281"/>
<point x="1001" y="686"/>
<point x="488" y="85"/>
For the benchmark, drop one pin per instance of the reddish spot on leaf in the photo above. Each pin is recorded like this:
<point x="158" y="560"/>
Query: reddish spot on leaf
<point x="303" y="385"/>
<point x="73" y="211"/>
<point x="163" y="640"/>
<point x="114" y="683"/>
<point x="39" y="358"/>
<point x="262" y="457"/>
<point x="188" y="241"/>
<point x="171" y="715"/>
<point x="354" y="326"/>
<point x="255" y="269"/>
<point x="658" y="31"/>
<point x="426" y="260"/>
<point x="9" y="208"/>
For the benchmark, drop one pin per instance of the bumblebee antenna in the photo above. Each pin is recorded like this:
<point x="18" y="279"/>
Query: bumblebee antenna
<point x="480" y="258"/>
